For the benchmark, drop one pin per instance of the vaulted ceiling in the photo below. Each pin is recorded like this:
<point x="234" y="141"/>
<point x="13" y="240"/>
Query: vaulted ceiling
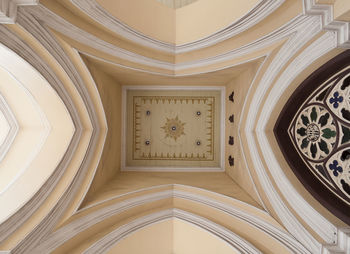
<point x="86" y="82"/>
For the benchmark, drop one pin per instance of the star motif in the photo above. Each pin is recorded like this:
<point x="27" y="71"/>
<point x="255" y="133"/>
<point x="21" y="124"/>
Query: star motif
<point x="173" y="128"/>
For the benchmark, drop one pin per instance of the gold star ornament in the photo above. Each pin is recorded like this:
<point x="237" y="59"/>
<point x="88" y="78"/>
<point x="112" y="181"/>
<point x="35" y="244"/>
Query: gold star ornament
<point x="173" y="128"/>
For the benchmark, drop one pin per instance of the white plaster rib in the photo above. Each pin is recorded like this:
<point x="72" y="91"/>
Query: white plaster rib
<point x="65" y="233"/>
<point x="236" y="242"/>
<point x="18" y="46"/>
<point x="318" y="223"/>
<point x="320" y="47"/>
<point x="260" y="11"/>
<point x="46" y="129"/>
<point x="25" y="212"/>
<point x="341" y="32"/>
<point x="288" y="219"/>
<point x="47" y="224"/>
<point x="338" y="36"/>
<point x="14" y="127"/>
<point x="50" y="19"/>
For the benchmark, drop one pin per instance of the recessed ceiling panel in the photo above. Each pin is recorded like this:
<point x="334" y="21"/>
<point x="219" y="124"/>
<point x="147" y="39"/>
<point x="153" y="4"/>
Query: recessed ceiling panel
<point x="173" y="129"/>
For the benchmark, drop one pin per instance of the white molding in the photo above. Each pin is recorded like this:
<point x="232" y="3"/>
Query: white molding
<point x="337" y="36"/>
<point x="11" y="41"/>
<point x="46" y="127"/>
<point x="244" y="156"/>
<point x="295" y="27"/>
<point x="302" y="36"/>
<point x="8" y="9"/>
<point x="15" y="43"/>
<point x="321" y="225"/>
<point x="63" y="234"/>
<point x="50" y="19"/>
<point x="325" y="229"/>
<point x="236" y="242"/>
<point x="222" y="90"/>
<point x="174" y="75"/>
<point x="260" y="11"/>
<point x="14" y="127"/>
<point x="104" y="120"/>
<point x="45" y="37"/>
<point x="325" y="12"/>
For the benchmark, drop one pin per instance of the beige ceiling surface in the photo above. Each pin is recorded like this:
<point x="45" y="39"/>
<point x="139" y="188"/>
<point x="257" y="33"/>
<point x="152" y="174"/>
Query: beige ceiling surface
<point x="178" y="26"/>
<point x="173" y="128"/>
<point x="175" y="4"/>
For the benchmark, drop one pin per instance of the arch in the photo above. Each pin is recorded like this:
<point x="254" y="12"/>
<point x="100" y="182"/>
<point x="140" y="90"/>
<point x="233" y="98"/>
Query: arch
<point x="238" y="244"/>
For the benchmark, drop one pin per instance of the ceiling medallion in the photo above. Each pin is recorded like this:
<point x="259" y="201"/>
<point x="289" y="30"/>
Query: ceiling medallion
<point x="313" y="132"/>
<point x="173" y="128"/>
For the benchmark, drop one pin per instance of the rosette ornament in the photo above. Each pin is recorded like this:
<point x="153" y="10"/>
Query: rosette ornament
<point x="315" y="132"/>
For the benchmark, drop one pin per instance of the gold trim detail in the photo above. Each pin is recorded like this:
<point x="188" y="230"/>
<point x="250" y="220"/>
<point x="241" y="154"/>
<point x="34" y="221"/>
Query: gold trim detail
<point x="208" y="141"/>
<point x="173" y="128"/>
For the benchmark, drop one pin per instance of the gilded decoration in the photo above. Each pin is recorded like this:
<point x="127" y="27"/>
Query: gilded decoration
<point x="321" y="133"/>
<point x="172" y="128"/>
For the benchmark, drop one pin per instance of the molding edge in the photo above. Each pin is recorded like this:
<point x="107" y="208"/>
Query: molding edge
<point x="8" y="9"/>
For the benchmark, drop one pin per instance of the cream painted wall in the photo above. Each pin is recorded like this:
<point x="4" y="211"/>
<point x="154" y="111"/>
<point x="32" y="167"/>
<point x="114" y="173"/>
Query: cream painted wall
<point x="172" y="236"/>
<point x="156" y="239"/>
<point x="176" y="3"/>
<point x="180" y="26"/>
<point x="110" y="93"/>
<point x="148" y="17"/>
<point x="4" y="128"/>
<point x="206" y="17"/>
<point x="127" y="182"/>
<point x="342" y="10"/>
<point x="239" y="172"/>
<point x="191" y="239"/>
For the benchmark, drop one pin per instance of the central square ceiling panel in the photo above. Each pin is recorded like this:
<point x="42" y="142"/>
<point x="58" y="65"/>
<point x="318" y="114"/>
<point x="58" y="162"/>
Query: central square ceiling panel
<point x="173" y="128"/>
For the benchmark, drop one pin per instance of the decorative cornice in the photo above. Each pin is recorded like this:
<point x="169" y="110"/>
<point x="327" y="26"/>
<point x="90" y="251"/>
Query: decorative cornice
<point x="57" y="238"/>
<point x="100" y="15"/>
<point x="239" y="244"/>
<point x="325" y="12"/>
<point x="8" y="9"/>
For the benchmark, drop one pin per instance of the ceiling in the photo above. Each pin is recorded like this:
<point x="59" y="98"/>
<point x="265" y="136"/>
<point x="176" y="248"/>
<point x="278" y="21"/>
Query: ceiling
<point x="177" y="128"/>
<point x="74" y="85"/>
<point x="175" y="4"/>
